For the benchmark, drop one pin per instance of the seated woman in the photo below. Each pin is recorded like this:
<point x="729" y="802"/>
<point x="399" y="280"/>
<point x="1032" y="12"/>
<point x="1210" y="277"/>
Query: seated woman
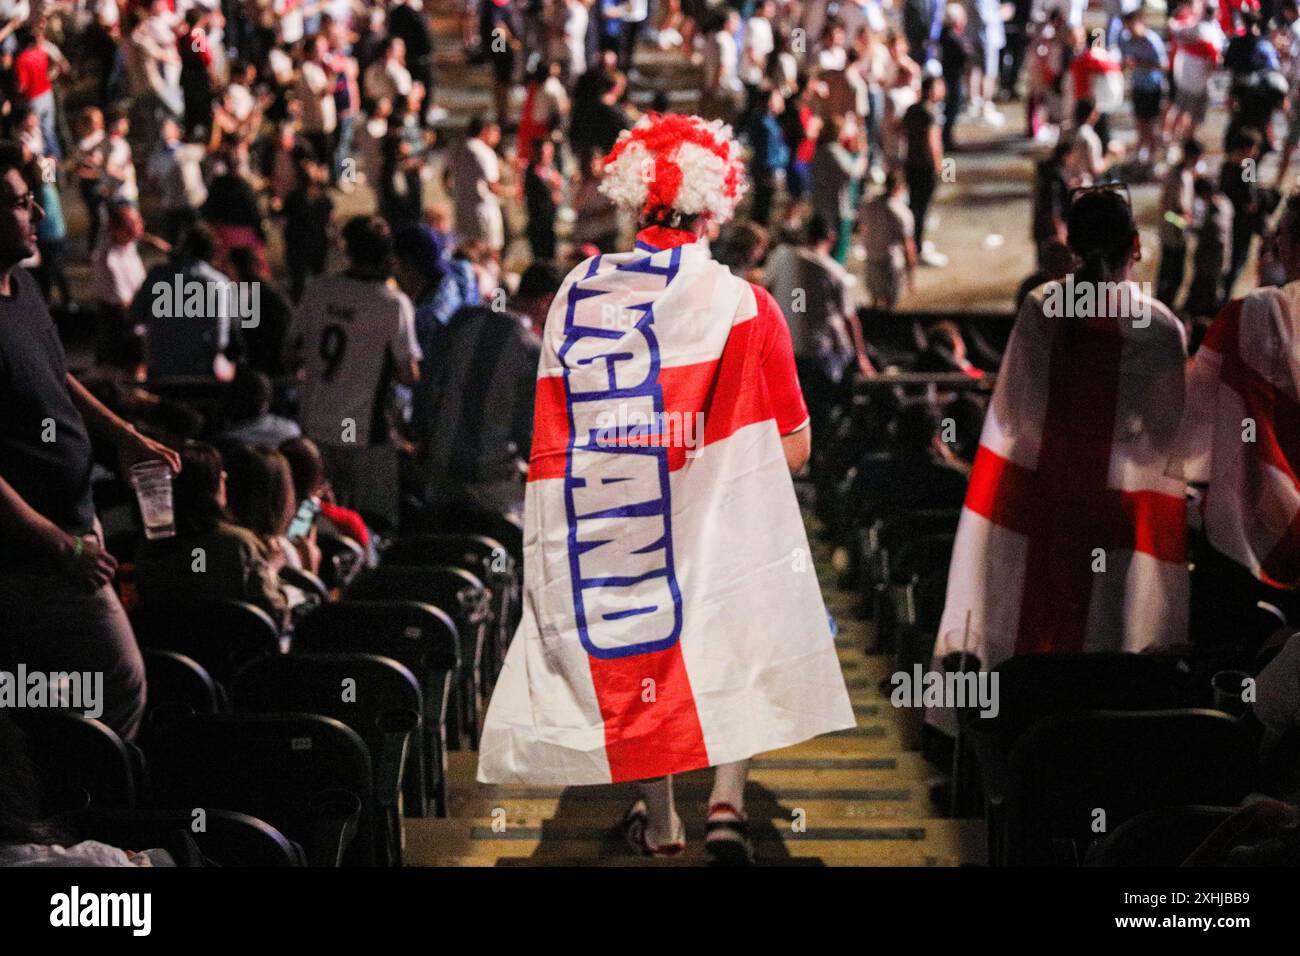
<point x="261" y="499"/>
<point x="309" y="482"/>
<point x="210" y="558"/>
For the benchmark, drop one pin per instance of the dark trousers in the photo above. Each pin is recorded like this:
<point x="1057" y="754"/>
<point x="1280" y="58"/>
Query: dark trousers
<point x="94" y="201"/>
<point x="1241" y="239"/>
<point x="952" y="104"/>
<point x="112" y="329"/>
<point x="49" y="274"/>
<point x="1102" y="129"/>
<point x="1173" y="266"/>
<point x="764" y="196"/>
<point x="542" y="241"/>
<point x="628" y="33"/>
<point x="921" y="182"/>
<point x="1013" y="57"/>
<point x="322" y="144"/>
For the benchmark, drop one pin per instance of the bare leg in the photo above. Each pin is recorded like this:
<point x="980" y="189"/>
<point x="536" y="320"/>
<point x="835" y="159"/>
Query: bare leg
<point x="729" y="785"/>
<point x="662" y="823"/>
<point x="728" y="830"/>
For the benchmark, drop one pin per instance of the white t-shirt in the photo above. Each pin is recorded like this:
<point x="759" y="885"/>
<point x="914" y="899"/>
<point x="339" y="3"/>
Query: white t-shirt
<point x="241" y="101"/>
<point x="833" y="59"/>
<point x="576" y="18"/>
<point x="119" y="156"/>
<point x="118" y="273"/>
<point x="289" y="15"/>
<point x="1192" y="73"/>
<point x="351" y="333"/>
<point x="722" y="58"/>
<point x="478" y="211"/>
<point x="759" y="42"/>
<point x="317" y="96"/>
<point x="15" y="10"/>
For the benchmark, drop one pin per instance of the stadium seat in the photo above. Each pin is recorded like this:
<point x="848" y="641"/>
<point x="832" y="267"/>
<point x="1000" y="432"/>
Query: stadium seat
<point x="1072" y="773"/>
<point x="176" y="680"/>
<point x="306" y="775"/>
<point x="462" y="520"/>
<point x="223" y="837"/>
<point x="462" y="596"/>
<point x="384" y="707"/>
<point x="1165" y="836"/>
<point x="342" y="559"/>
<point x="308" y="583"/>
<point x="878" y="543"/>
<point x="221" y="637"/>
<point x="422" y="638"/>
<point x="177" y="685"/>
<point x="80" y="762"/>
<point x="484" y="557"/>
<point x="1032" y="687"/>
<point x="895" y="603"/>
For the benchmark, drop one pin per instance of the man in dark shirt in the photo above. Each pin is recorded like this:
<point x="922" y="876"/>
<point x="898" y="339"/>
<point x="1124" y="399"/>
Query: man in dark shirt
<point x="181" y="343"/>
<point x="956" y="51"/>
<point x="473" y="418"/>
<point x="57" y="610"/>
<point x="407" y="20"/>
<point x="1239" y="185"/>
<point x="924" y="161"/>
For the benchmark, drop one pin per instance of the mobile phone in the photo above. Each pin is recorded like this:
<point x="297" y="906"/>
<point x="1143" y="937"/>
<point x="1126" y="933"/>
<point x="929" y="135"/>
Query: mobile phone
<point x="301" y="524"/>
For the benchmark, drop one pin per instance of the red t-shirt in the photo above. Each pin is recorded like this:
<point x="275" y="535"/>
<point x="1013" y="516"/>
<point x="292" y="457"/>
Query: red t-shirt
<point x="348" y="522"/>
<point x="778" y="364"/>
<point x="773" y="337"/>
<point x="32" y="69"/>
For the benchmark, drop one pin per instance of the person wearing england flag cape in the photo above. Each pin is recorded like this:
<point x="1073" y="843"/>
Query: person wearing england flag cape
<point x="1241" y="435"/>
<point x="672" y="620"/>
<point x="1073" y="532"/>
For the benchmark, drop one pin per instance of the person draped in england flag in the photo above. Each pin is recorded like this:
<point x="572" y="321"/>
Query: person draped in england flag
<point x="1073" y="532"/>
<point x="672" y="617"/>
<point x="1241" y="435"/>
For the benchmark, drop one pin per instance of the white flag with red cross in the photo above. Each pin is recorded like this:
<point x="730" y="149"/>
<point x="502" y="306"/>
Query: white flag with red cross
<point x="1073" y="533"/>
<point x="1243" y="433"/>
<point x="672" y="618"/>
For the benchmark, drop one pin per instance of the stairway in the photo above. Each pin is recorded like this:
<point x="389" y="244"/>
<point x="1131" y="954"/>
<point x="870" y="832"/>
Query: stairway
<point x="854" y="798"/>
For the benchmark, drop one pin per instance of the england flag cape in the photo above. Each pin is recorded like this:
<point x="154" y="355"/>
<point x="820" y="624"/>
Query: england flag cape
<point x="672" y="618"/>
<point x="1073" y="532"/>
<point x="1243" y="433"/>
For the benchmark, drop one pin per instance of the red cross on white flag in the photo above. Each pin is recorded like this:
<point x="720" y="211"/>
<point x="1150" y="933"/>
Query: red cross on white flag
<point x="1073" y="534"/>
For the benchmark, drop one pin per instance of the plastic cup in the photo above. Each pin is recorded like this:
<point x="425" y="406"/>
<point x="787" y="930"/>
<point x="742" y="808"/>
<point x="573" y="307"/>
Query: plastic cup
<point x="1228" y="687"/>
<point x="152" y="481"/>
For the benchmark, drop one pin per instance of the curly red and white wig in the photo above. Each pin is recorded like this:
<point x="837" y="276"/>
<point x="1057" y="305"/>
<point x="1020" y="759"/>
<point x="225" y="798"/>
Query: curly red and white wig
<point x="671" y="165"/>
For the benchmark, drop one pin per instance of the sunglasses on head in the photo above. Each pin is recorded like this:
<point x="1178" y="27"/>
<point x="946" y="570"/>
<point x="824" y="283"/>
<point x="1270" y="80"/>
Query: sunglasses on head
<point x="1120" y="189"/>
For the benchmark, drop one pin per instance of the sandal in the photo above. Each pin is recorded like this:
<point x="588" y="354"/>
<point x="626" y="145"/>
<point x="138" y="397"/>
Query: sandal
<point x="634" y="830"/>
<point x="727" y="839"/>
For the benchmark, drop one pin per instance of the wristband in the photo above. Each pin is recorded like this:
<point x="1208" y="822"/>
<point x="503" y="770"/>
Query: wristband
<point x="78" y="547"/>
